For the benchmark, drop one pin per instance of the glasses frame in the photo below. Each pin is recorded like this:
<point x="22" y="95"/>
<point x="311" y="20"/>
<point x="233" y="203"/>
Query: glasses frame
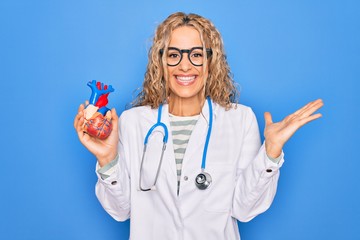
<point x="188" y="51"/>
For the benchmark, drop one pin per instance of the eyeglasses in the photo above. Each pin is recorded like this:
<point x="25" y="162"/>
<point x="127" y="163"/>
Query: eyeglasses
<point x="195" y="55"/>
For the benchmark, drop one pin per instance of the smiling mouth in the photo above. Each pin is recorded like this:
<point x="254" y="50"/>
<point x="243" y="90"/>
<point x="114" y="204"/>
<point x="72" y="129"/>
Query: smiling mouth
<point x="185" y="80"/>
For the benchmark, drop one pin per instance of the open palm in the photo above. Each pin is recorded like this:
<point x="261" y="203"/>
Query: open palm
<point x="278" y="133"/>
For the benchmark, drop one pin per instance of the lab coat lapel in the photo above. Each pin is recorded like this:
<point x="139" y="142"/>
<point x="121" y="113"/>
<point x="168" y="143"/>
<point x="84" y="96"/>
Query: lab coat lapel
<point x="169" y="153"/>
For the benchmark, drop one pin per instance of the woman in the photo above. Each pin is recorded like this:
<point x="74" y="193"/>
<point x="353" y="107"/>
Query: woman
<point x="214" y="170"/>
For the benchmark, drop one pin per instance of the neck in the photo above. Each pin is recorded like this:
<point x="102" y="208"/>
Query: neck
<point x="185" y="107"/>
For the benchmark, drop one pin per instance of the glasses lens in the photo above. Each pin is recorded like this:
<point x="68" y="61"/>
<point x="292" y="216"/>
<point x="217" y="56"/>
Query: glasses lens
<point x="196" y="56"/>
<point x="173" y="57"/>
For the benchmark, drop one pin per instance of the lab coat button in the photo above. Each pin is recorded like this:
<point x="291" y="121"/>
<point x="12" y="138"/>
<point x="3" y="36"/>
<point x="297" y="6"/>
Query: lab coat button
<point x="269" y="170"/>
<point x="186" y="178"/>
<point x="113" y="182"/>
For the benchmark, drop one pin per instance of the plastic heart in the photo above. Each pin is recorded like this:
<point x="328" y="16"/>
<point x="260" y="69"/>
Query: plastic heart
<point x="98" y="126"/>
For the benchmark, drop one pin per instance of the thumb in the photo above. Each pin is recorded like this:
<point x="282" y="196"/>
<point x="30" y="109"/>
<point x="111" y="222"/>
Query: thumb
<point x="114" y="119"/>
<point x="268" y="118"/>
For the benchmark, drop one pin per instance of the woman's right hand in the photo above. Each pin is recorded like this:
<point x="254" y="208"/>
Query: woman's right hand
<point x="104" y="150"/>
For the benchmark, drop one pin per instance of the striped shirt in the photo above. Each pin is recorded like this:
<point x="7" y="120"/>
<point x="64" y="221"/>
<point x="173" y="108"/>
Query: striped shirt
<point x="181" y="129"/>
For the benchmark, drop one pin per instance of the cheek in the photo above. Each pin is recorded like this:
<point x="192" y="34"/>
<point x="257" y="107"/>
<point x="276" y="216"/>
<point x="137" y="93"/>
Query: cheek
<point x="203" y="76"/>
<point x="168" y="73"/>
<point x="170" y="79"/>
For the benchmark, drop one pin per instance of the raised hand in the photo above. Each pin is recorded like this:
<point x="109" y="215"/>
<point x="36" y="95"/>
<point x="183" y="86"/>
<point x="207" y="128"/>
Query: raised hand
<point x="277" y="134"/>
<point x="104" y="150"/>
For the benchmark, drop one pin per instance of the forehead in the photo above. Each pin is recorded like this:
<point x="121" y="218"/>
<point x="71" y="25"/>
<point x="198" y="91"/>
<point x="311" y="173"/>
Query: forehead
<point x="185" y="37"/>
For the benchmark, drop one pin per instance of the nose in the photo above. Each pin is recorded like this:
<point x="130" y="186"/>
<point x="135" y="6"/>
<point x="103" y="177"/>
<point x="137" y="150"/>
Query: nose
<point x="185" y="63"/>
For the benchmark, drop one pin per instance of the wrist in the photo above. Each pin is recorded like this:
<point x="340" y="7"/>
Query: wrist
<point x="273" y="150"/>
<point x="103" y="160"/>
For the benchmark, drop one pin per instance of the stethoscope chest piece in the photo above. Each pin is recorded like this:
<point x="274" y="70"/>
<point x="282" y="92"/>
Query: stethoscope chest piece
<point x="203" y="180"/>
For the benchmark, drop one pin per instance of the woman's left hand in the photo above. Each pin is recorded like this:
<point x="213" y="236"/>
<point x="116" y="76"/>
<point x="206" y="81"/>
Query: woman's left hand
<point x="277" y="134"/>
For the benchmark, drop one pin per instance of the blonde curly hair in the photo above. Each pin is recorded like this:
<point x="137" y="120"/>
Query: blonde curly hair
<point x="219" y="84"/>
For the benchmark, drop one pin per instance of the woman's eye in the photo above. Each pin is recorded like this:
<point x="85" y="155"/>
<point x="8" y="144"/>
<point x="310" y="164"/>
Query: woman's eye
<point x="197" y="55"/>
<point x="173" y="55"/>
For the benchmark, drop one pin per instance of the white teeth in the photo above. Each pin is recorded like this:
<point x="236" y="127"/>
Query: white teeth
<point x="185" y="79"/>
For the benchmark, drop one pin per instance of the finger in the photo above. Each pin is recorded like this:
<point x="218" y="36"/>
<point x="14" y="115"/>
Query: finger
<point x="316" y="105"/>
<point x="81" y="108"/>
<point x="79" y="123"/>
<point x="268" y="118"/>
<point x="85" y="139"/>
<point x="114" y="115"/>
<point x="78" y="115"/>
<point x="114" y="119"/>
<point x="309" y="108"/>
<point x="299" y="111"/>
<point x="310" y="119"/>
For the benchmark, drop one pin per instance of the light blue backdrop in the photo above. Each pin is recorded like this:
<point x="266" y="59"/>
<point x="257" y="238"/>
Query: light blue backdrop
<point x="282" y="53"/>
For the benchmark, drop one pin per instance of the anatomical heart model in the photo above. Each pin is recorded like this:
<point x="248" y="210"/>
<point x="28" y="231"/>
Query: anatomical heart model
<point x="97" y="115"/>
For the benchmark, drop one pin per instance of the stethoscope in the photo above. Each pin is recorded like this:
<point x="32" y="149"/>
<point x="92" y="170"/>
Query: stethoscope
<point x="203" y="179"/>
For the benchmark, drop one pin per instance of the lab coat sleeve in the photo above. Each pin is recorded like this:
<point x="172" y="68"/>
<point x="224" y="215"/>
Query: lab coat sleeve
<point x="114" y="191"/>
<point x="108" y="169"/>
<point x="257" y="175"/>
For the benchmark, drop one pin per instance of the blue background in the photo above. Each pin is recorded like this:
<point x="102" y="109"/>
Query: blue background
<point x="282" y="53"/>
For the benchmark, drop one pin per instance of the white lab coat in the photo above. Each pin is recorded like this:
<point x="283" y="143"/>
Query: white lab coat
<point x="244" y="180"/>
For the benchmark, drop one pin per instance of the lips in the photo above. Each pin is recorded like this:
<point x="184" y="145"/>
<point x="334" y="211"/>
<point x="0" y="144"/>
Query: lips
<point x="185" y="80"/>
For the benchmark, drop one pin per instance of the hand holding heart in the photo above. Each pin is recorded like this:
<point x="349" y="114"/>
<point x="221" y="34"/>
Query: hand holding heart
<point x="105" y="150"/>
<point x="97" y="126"/>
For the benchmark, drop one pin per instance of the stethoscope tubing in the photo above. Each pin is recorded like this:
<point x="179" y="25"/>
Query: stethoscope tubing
<point x="158" y="124"/>
<point x="203" y="162"/>
<point x="207" y="178"/>
<point x="165" y="139"/>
